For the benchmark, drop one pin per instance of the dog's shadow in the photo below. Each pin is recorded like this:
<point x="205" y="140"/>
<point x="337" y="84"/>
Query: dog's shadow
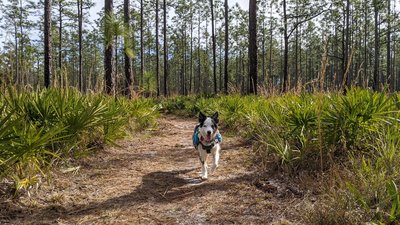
<point x="163" y="186"/>
<point x="157" y="187"/>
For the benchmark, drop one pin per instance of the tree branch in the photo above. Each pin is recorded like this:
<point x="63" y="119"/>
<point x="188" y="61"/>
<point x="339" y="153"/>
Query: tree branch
<point x="308" y="18"/>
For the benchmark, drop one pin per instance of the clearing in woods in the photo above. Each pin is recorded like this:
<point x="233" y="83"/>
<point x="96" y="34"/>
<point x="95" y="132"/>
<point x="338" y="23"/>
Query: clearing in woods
<point x="153" y="178"/>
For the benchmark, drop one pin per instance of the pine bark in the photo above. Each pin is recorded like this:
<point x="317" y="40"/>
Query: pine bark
<point x="128" y="61"/>
<point x="157" y="54"/>
<point x="80" y="24"/>
<point x="213" y="47"/>
<point x="253" y="46"/>
<point x="165" y="49"/>
<point x="47" y="44"/>
<point x="226" y="60"/>
<point x="108" y="53"/>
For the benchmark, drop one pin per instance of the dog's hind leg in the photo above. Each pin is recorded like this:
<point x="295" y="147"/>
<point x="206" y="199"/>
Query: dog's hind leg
<point x="215" y="159"/>
<point x="203" y="160"/>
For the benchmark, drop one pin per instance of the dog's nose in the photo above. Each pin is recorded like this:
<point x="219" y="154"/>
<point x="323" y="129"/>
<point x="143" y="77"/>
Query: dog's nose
<point x="208" y="132"/>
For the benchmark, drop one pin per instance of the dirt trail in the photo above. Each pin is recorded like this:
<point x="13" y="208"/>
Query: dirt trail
<point x="154" y="179"/>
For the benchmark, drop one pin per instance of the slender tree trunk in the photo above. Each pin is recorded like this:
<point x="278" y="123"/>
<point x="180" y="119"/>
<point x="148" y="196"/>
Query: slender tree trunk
<point x="184" y="89"/>
<point x="220" y="68"/>
<point x="17" y="73"/>
<point x="240" y="72"/>
<point x="296" y="63"/>
<point x="376" y="51"/>
<point x="116" y="91"/>
<point x="388" y="44"/>
<point x="109" y="50"/>
<point x="226" y="64"/>
<point x="214" y="47"/>
<point x="285" y="51"/>
<point x="263" y="55"/>
<point x="21" y="48"/>
<point x="157" y="53"/>
<point x="365" y="41"/>
<point x="60" y="22"/>
<point x="253" y="46"/>
<point x="346" y="55"/>
<point x="128" y="60"/>
<point x="270" y="50"/>
<point x="80" y="21"/>
<point x="141" y="44"/>
<point x="191" y="47"/>
<point x="394" y="64"/>
<point x="165" y="49"/>
<point x="47" y="44"/>
<point x="199" y="56"/>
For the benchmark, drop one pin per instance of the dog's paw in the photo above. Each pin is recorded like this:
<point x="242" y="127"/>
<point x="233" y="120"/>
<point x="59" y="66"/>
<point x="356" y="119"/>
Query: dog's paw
<point x="204" y="177"/>
<point x="213" y="168"/>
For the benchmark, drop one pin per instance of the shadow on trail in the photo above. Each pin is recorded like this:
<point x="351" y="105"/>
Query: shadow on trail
<point x="157" y="187"/>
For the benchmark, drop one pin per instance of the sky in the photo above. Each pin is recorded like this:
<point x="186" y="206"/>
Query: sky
<point x="244" y="4"/>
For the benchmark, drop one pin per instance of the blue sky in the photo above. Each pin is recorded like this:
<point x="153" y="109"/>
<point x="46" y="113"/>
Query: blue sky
<point x="99" y="5"/>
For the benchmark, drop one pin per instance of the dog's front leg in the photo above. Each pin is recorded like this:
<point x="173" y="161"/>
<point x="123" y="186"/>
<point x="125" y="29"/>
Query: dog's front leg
<point x="215" y="158"/>
<point x="203" y="160"/>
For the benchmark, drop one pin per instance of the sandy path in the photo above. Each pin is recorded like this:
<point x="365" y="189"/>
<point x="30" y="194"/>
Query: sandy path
<point x="153" y="179"/>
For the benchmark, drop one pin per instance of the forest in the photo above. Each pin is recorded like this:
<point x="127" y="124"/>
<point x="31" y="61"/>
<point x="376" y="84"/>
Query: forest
<point x="97" y="112"/>
<point x="193" y="47"/>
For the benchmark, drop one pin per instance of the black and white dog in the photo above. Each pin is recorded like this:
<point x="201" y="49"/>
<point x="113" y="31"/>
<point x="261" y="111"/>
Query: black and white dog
<point x="207" y="140"/>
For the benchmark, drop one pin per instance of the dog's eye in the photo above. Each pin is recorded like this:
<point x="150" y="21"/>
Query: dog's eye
<point x="212" y="126"/>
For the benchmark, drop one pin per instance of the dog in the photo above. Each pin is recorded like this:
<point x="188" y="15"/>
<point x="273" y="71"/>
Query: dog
<point x="207" y="140"/>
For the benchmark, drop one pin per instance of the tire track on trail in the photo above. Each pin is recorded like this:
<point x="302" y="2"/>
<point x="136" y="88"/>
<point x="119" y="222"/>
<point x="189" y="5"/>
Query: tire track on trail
<point x="152" y="178"/>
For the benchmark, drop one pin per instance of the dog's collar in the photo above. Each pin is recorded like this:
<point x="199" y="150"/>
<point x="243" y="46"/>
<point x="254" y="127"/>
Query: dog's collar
<point x="207" y="145"/>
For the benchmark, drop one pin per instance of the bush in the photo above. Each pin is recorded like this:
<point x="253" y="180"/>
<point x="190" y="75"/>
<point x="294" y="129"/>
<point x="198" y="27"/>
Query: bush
<point x="354" y="137"/>
<point x="40" y="128"/>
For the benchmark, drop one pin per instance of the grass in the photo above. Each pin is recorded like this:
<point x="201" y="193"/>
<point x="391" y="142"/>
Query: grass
<point x="352" y="141"/>
<point x="41" y="129"/>
<point x="353" y="138"/>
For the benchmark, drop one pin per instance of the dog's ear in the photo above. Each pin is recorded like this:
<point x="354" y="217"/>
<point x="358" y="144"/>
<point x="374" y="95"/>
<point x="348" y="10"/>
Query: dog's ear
<point x="215" y="117"/>
<point x="202" y="117"/>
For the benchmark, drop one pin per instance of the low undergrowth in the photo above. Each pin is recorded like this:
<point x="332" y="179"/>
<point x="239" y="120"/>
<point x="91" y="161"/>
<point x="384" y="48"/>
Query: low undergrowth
<point x="350" y="141"/>
<point x="354" y="138"/>
<point x="40" y="130"/>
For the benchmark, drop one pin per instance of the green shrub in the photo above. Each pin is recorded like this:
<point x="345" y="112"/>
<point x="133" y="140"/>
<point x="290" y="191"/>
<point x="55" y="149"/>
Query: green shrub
<point x="40" y="128"/>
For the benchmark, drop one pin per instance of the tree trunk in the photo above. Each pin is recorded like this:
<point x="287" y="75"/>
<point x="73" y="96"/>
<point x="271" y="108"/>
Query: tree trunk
<point x="213" y="47"/>
<point x="226" y="47"/>
<point x="80" y="18"/>
<point x="285" y="50"/>
<point x="128" y="61"/>
<point x="270" y="51"/>
<point x="183" y="68"/>
<point x="191" y="48"/>
<point x="157" y="54"/>
<point x="365" y="40"/>
<point x="376" y="50"/>
<point x="165" y="49"/>
<point x="21" y="49"/>
<point x="60" y="9"/>
<point x="141" y="45"/>
<point x="253" y="46"/>
<point x="388" y="44"/>
<point x="199" y="56"/>
<point x="47" y="44"/>
<point x="296" y="63"/>
<point x="263" y="55"/>
<point x="17" y="63"/>
<point x="346" y="55"/>
<point x="108" y="53"/>
<point x="220" y="68"/>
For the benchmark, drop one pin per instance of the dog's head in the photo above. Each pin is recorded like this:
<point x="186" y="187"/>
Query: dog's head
<point x="208" y="126"/>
